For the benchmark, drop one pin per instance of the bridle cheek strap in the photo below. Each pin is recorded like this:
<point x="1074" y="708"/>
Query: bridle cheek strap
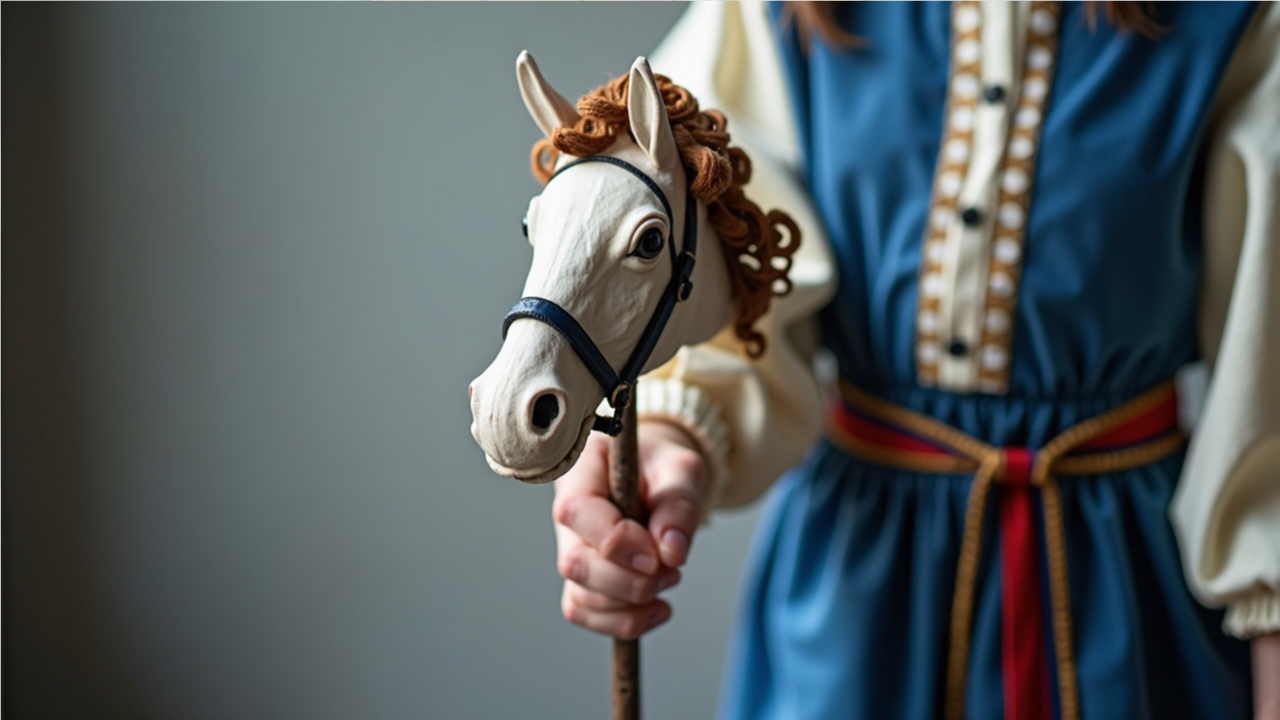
<point x="545" y="311"/>
<point x="618" y="387"/>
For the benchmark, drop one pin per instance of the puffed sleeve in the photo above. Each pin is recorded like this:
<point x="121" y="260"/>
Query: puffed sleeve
<point x="1227" y="507"/>
<point x="753" y="419"/>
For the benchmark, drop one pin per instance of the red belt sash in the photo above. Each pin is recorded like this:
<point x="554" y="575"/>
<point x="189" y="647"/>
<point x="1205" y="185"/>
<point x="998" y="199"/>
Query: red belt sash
<point x="1135" y="434"/>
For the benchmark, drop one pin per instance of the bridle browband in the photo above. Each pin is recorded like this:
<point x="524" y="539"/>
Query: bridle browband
<point x="619" y="387"/>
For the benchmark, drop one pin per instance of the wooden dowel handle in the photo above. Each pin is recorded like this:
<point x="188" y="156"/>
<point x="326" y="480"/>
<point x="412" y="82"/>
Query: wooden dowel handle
<point x="624" y="470"/>
<point x="624" y="488"/>
<point x="626" y="679"/>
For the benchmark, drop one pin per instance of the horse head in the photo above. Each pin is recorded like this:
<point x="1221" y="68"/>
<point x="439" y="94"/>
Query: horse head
<point x="611" y="238"/>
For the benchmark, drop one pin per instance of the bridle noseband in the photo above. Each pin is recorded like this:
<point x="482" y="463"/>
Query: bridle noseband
<point x="618" y="387"/>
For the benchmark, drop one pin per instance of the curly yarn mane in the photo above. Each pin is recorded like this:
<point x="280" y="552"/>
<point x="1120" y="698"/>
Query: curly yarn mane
<point x="757" y="254"/>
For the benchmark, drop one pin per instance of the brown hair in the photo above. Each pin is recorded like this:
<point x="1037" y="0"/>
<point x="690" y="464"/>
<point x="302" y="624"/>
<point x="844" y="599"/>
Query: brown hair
<point x="818" y="19"/>
<point x="757" y="255"/>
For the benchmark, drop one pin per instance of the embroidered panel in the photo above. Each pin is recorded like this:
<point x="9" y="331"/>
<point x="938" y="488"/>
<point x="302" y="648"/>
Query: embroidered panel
<point x="964" y="89"/>
<point x="1013" y="202"/>
<point x="983" y="361"/>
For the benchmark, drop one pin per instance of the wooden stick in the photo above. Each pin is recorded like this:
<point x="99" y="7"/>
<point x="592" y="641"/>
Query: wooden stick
<point x="624" y="488"/>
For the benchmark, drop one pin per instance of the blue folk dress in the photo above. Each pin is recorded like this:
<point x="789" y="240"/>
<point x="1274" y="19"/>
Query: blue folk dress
<point x="1092" y="257"/>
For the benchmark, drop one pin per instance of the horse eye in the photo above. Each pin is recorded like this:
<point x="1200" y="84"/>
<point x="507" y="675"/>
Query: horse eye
<point x="650" y="244"/>
<point x="524" y="225"/>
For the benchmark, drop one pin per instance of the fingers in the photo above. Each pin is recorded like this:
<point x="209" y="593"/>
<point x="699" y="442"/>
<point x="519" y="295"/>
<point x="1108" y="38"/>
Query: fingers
<point x="587" y="567"/>
<point x="674" y="520"/>
<point x="674" y="476"/>
<point x="592" y="600"/>
<point x="582" y="505"/>
<point x="614" y="567"/>
<point x="625" y="623"/>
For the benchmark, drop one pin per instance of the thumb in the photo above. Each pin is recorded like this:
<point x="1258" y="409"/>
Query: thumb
<point x="674" y="477"/>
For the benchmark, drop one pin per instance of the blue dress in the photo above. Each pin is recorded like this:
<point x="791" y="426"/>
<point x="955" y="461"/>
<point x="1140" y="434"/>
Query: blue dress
<point x="849" y="584"/>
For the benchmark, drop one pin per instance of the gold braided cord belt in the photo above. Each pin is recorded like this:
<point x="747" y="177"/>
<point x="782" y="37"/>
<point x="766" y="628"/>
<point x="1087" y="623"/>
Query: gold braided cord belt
<point x="1135" y="434"/>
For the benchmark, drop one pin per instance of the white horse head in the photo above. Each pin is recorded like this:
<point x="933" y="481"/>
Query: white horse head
<point x="599" y="237"/>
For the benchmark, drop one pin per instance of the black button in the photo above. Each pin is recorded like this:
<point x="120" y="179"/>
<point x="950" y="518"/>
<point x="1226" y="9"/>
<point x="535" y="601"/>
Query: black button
<point x="993" y="93"/>
<point x="957" y="347"/>
<point x="971" y="216"/>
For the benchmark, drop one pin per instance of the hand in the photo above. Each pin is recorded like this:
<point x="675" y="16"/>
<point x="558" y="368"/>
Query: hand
<point x="1266" y="677"/>
<point x="615" y="568"/>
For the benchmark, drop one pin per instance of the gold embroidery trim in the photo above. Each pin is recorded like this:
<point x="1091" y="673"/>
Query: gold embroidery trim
<point x="1016" y="179"/>
<point x="964" y="90"/>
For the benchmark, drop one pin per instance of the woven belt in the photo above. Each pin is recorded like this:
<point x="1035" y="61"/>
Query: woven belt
<point x="1138" y="433"/>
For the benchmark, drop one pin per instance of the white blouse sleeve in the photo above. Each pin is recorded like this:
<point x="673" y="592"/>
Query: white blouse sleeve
<point x="753" y="419"/>
<point x="1227" y="507"/>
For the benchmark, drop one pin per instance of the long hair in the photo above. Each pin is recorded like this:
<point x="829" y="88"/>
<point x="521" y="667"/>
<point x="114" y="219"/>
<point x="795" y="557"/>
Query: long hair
<point x="757" y="254"/>
<point x="818" y="20"/>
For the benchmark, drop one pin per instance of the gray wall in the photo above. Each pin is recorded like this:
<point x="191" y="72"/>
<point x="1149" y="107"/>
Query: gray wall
<point x="252" y="256"/>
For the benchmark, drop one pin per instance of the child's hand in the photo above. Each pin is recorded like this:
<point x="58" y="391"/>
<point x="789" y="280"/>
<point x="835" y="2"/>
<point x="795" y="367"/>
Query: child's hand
<point x="614" y="568"/>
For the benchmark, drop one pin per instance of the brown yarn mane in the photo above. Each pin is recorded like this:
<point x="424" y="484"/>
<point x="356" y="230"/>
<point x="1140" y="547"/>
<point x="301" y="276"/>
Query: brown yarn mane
<point x="757" y="255"/>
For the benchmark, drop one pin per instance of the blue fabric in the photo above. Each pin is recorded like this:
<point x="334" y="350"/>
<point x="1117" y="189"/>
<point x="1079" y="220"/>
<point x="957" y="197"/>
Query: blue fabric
<point x="847" y="597"/>
<point x="1116" y="188"/>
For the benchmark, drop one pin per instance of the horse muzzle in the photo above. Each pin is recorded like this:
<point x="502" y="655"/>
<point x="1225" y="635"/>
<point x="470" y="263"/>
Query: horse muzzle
<point x="524" y="418"/>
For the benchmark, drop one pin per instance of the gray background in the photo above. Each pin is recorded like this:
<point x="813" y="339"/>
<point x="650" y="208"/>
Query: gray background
<point x="253" y="254"/>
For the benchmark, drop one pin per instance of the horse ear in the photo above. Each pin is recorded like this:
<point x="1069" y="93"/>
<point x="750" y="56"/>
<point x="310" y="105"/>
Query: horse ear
<point x="548" y="107"/>
<point x="648" y="115"/>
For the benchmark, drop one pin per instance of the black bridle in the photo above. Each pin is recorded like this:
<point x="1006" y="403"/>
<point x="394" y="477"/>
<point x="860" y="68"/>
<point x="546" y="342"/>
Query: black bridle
<point x="618" y="387"/>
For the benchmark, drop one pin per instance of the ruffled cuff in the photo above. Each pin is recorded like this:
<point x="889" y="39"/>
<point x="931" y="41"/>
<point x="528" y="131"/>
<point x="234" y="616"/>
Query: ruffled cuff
<point x="1257" y="614"/>
<point x="673" y="401"/>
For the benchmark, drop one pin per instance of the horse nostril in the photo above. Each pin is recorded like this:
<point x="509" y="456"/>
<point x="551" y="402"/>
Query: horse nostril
<point x="545" y="410"/>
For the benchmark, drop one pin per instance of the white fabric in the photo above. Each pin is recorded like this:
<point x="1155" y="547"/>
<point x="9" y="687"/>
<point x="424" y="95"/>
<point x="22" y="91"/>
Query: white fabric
<point x="1227" y="507"/>
<point x="772" y="408"/>
<point x="966" y="258"/>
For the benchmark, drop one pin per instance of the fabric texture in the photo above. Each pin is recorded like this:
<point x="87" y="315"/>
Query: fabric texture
<point x="846" y="603"/>
<point x="1176" y="258"/>
<point x="1227" y="508"/>
<point x="771" y="407"/>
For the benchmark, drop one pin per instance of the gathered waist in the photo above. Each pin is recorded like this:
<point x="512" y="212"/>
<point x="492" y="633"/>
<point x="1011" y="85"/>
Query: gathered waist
<point x="1132" y="434"/>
